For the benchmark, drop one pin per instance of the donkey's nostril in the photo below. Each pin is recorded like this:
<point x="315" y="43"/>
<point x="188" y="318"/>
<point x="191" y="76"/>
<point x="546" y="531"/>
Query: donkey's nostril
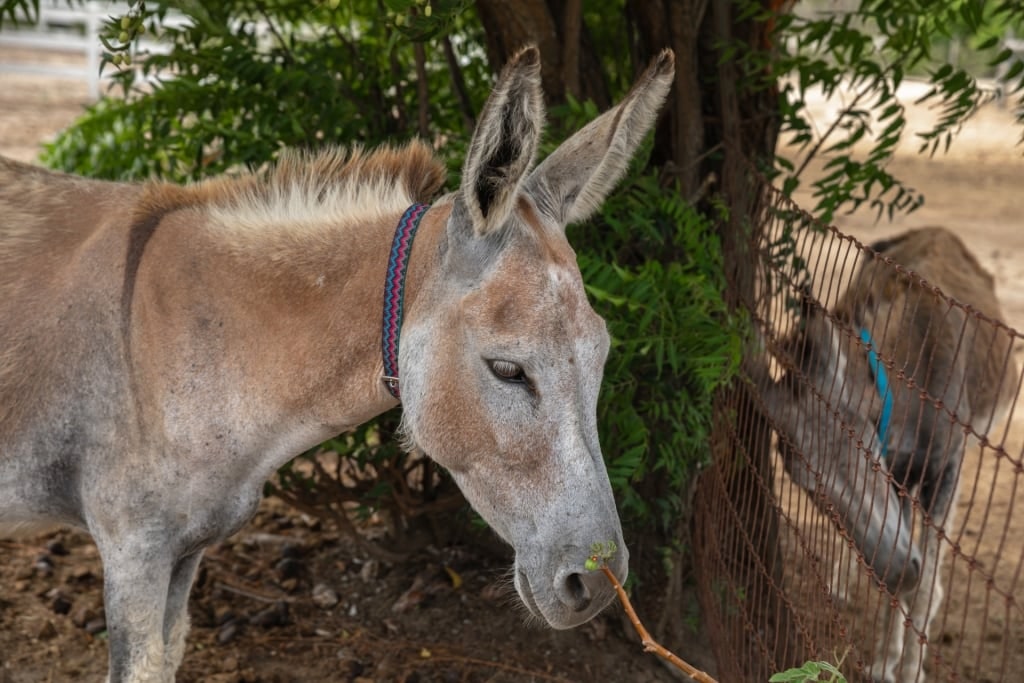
<point x="915" y="568"/>
<point x="577" y="592"/>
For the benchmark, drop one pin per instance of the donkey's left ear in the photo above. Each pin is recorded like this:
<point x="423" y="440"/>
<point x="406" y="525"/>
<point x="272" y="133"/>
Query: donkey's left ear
<point x="575" y="179"/>
<point x="504" y="143"/>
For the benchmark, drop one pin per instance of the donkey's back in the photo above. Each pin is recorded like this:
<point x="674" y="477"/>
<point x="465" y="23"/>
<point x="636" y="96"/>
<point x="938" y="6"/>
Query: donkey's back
<point x="921" y="329"/>
<point x="60" y="273"/>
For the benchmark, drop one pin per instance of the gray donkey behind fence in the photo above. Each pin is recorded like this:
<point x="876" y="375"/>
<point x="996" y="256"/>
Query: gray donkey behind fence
<point x="164" y="349"/>
<point x="856" y="432"/>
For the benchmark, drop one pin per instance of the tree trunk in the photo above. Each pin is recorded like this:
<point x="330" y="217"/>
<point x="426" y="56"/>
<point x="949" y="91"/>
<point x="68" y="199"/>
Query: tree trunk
<point x="657" y="24"/>
<point x="569" y="65"/>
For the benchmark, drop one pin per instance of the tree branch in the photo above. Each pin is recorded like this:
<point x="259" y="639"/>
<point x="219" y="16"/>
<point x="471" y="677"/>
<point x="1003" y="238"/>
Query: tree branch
<point x="572" y="23"/>
<point x="831" y="129"/>
<point x="649" y="643"/>
<point x="422" y="91"/>
<point x="459" y="84"/>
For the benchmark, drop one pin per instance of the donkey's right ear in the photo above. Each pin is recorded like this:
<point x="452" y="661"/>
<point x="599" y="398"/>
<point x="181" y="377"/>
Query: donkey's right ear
<point x="574" y="180"/>
<point x="505" y="143"/>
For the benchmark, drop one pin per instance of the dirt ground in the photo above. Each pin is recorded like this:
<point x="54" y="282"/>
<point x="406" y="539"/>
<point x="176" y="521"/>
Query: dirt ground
<point x="262" y="609"/>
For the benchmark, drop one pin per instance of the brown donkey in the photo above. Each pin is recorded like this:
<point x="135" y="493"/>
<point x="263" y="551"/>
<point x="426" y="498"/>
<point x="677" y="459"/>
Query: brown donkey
<point x="164" y="349"/>
<point x="870" y="416"/>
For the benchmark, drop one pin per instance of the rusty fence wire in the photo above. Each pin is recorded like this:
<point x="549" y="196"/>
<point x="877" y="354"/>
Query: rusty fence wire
<point x="861" y="507"/>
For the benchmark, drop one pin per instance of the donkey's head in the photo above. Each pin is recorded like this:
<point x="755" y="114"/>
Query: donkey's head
<point x="502" y="356"/>
<point x="826" y="410"/>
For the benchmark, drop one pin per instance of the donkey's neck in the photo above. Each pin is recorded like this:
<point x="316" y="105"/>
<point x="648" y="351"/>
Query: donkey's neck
<point x="292" y="345"/>
<point x="345" y="298"/>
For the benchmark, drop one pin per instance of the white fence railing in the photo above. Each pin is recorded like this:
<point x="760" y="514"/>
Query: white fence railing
<point x="70" y="29"/>
<point x="1015" y="45"/>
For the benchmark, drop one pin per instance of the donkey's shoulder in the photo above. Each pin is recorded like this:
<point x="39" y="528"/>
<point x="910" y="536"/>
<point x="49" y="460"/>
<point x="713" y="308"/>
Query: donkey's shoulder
<point x="941" y="258"/>
<point x="933" y="247"/>
<point x="12" y="170"/>
<point x="18" y="178"/>
<point x="43" y="207"/>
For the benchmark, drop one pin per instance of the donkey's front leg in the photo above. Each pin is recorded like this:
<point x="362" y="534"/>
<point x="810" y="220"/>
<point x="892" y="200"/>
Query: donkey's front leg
<point x="136" y="576"/>
<point x="901" y="654"/>
<point x="924" y="605"/>
<point x="176" y="621"/>
<point x="889" y="645"/>
<point x="926" y="599"/>
<point x="890" y="664"/>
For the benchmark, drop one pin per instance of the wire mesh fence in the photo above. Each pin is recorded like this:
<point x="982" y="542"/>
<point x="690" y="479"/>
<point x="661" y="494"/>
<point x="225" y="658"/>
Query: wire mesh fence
<point x="860" y="508"/>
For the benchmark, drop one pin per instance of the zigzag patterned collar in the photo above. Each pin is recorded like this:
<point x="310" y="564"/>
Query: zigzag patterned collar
<point x="394" y="293"/>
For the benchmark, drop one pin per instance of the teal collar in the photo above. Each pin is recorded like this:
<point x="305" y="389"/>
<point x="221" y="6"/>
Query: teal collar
<point x="882" y="385"/>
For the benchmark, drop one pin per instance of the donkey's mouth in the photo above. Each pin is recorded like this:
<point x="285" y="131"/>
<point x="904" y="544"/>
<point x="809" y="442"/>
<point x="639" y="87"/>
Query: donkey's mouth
<point x="526" y="594"/>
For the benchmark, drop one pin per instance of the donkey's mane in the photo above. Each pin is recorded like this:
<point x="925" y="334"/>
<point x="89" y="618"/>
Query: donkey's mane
<point x="306" y="195"/>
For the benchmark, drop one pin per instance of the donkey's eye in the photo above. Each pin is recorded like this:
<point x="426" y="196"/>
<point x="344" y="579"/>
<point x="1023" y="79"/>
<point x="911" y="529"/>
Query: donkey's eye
<point x="507" y="371"/>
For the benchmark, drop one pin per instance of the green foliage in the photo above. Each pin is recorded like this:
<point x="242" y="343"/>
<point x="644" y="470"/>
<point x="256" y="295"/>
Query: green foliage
<point x="600" y="553"/>
<point x="810" y="671"/>
<point x="14" y="12"/>
<point x="653" y="268"/>
<point x="420" y="20"/>
<point x="613" y="38"/>
<point x="868" y="49"/>
<point x="244" y="79"/>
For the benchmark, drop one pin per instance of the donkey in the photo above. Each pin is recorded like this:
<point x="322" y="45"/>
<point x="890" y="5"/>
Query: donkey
<point x="164" y="349"/>
<point x="869" y="417"/>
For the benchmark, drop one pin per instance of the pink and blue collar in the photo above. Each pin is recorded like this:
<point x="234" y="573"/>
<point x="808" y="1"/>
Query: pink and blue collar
<point x="394" y="292"/>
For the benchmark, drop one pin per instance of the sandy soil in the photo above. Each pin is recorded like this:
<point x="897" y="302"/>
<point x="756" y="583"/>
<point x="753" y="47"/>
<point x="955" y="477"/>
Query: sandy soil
<point x="35" y="108"/>
<point x="255" y="621"/>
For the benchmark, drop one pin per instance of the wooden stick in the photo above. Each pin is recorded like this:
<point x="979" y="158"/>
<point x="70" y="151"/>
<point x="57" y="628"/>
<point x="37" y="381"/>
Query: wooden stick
<point x="651" y="645"/>
<point x="251" y="594"/>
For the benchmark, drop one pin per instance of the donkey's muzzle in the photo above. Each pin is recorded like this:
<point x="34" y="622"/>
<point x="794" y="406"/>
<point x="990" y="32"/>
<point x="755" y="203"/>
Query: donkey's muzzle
<point x="571" y="595"/>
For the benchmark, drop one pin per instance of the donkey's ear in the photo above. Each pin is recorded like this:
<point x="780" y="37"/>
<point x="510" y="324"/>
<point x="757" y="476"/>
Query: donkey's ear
<point x="505" y="143"/>
<point x="574" y="180"/>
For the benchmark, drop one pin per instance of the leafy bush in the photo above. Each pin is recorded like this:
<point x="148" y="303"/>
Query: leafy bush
<point x="243" y="80"/>
<point x="653" y="268"/>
